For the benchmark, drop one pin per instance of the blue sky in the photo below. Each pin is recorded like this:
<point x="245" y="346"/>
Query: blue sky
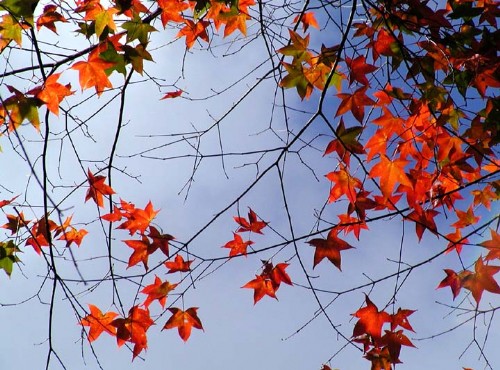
<point x="237" y="332"/>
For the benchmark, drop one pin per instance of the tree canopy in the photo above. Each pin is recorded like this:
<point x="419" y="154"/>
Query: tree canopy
<point x="339" y="152"/>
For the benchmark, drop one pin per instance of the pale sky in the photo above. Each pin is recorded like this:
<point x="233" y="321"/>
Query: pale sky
<point x="237" y="333"/>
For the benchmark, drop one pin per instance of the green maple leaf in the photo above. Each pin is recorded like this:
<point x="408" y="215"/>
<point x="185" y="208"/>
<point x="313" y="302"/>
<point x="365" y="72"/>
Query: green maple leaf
<point x="137" y="29"/>
<point x="8" y="256"/>
<point x="20" y="9"/>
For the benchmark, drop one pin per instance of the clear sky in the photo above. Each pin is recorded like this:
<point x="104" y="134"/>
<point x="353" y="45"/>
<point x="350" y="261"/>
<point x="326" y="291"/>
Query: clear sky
<point x="155" y="162"/>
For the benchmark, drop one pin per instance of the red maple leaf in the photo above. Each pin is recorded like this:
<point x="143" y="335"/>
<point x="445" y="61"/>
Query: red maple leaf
<point x="355" y="103"/>
<point x="346" y="142"/>
<point x="262" y="287"/>
<point x="49" y="17"/>
<point x="486" y="78"/>
<point x="359" y="68"/>
<point x="157" y="291"/>
<point x="6" y="202"/>
<point x="329" y="248"/>
<point x="252" y="224"/>
<point x="184" y="321"/>
<point x="97" y="189"/>
<point x="40" y="234"/>
<point x="400" y="318"/>
<point x="172" y="94"/>
<point x="452" y="280"/>
<point x="160" y="240"/>
<point x="424" y="220"/>
<point x="178" y="265"/>
<point x="133" y="329"/>
<point x="278" y="275"/>
<point x="384" y="45"/>
<point x="394" y="340"/>
<point x="15" y="222"/>
<point x="237" y="245"/>
<point x="351" y="224"/>
<point x="370" y="321"/>
<point x="142" y="249"/>
<point x="98" y="322"/>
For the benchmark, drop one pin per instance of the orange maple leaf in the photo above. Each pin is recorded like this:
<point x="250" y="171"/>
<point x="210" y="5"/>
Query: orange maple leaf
<point x="138" y="220"/>
<point x="329" y="248"/>
<point x="355" y="103"/>
<point x="52" y="93"/>
<point x="456" y="241"/>
<point x="97" y="188"/>
<point x="99" y="322"/>
<point x="390" y="172"/>
<point x="157" y="291"/>
<point x="184" y="321"/>
<point x="193" y="31"/>
<point x="343" y="184"/>
<point x="380" y="358"/>
<point x="308" y="19"/>
<point x="179" y="265"/>
<point x="493" y="246"/>
<point x="114" y="216"/>
<point x="171" y="10"/>
<point x="465" y="219"/>
<point x="73" y="236"/>
<point x="234" y="22"/>
<point x="484" y="196"/>
<point x="92" y="73"/>
<point x="481" y="280"/>
<point x="237" y="245"/>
